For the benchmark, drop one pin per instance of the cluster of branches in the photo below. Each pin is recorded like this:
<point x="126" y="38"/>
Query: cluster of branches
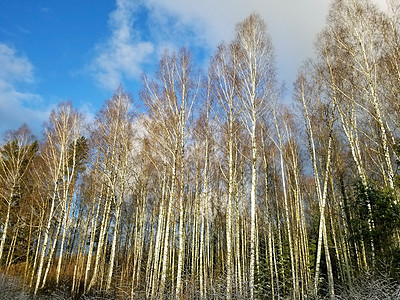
<point x="217" y="190"/>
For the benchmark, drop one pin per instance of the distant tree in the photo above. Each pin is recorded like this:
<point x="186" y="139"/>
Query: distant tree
<point x="15" y="160"/>
<point x="386" y="214"/>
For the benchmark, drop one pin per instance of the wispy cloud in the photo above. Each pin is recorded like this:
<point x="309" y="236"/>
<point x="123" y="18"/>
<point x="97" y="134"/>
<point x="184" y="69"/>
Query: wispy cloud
<point x="13" y="67"/>
<point x="293" y="25"/>
<point x="172" y="24"/>
<point x="122" y="55"/>
<point x="17" y="107"/>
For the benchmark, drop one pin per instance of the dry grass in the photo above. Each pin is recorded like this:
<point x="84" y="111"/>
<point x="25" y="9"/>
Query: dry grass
<point x="371" y="287"/>
<point x="11" y="288"/>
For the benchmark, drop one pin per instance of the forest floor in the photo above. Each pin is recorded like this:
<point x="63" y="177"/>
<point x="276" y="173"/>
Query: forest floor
<point x="368" y="287"/>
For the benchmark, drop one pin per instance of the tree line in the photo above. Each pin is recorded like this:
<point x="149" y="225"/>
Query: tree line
<point x="218" y="189"/>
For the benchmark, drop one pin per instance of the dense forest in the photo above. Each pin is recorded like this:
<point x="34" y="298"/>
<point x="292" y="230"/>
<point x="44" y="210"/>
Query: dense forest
<point x="219" y="188"/>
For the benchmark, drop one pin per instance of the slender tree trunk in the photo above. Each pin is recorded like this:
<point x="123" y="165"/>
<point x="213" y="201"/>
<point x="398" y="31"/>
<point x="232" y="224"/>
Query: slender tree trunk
<point x="94" y="215"/>
<point x="35" y="260"/>
<point x="67" y="193"/>
<point x="44" y="244"/>
<point x="229" y="250"/>
<point x="52" y="250"/>
<point x="159" y="238"/>
<point x="100" y="243"/>
<point x="181" y="251"/>
<point x="164" y="259"/>
<point x="253" y="202"/>
<point x="12" y="247"/>
<point x="268" y="217"/>
<point x="322" y="235"/>
<point x="5" y="228"/>
<point x="287" y="213"/>
<point x="114" y="243"/>
<point x="79" y="263"/>
<point x="28" y="248"/>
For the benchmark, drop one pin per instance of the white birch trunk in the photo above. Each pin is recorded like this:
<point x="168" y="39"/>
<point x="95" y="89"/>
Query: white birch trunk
<point x="159" y="242"/>
<point x="5" y="228"/>
<point x="253" y="201"/>
<point x="44" y="245"/>
<point x="50" y="256"/>
<point x="229" y="268"/>
<point x="113" y="245"/>
<point x="286" y="208"/>
<point x="95" y="215"/>
<point x="100" y="244"/>
<point x="167" y="229"/>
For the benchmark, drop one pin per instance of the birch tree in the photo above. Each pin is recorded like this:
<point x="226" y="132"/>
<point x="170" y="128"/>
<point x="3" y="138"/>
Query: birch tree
<point x="112" y="140"/>
<point x="224" y="87"/>
<point x="256" y="72"/>
<point x="321" y="174"/>
<point x="15" y="160"/>
<point x="64" y="128"/>
<point x="170" y="100"/>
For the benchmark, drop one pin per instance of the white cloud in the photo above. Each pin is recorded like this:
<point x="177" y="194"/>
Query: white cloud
<point x="14" y="68"/>
<point x="123" y="53"/>
<point x="293" y="26"/>
<point x="17" y="107"/>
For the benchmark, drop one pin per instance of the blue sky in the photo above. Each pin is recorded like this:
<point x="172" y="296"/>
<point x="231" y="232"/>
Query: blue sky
<point x="82" y="50"/>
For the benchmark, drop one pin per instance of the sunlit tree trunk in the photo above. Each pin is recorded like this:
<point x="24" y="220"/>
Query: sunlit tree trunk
<point x="257" y="84"/>
<point x="269" y="248"/>
<point x="51" y="253"/>
<point x="15" y="160"/>
<point x="5" y="227"/>
<point x="159" y="238"/>
<point x="322" y="189"/>
<point x="223" y="73"/>
<point x="68" y="189"/>
<point x="170" y="100"/>
<point x="62" y="130"/>
<point x="280" y="147"/>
